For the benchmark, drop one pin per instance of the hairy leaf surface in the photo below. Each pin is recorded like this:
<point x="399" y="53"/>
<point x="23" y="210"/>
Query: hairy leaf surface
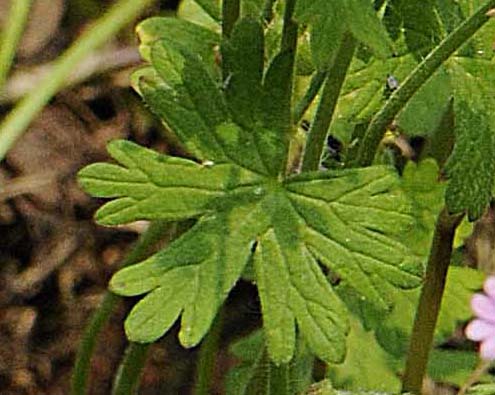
<point x="471" y="167"/>
<point x="246" y="209"/>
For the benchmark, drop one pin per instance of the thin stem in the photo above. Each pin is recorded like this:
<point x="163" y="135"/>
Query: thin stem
<point x="15" y="22"/>
<point x="415" y="80"/>
<point x="129" y="372"/>
<point x="314" y="87"/>
<point x="328" y="101"/>
<point x="119" y="15"/>
<point x="207" y="354"/>
<point x="289" y="30"/>
<point x="80" y="374"/>
<point x="288" y="49"/>
<point x="430" y="301"/>
<point x="480" y="370"/>
<point x="231" y="10"/>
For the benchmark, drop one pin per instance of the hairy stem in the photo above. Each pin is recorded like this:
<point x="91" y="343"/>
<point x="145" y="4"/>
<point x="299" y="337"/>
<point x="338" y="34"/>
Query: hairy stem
<point x="80" y="374"/>
<point x="430" y="301"/>
<point x="119" y="15"/>
<point x="14" y="26"/>
<point x="288" y="47"/>
<point x="415" y="80"/>
<point x="331" y="90"/>
<point x="127" y="377"/>
<point x="231" y="10"/>
<point x="314" y="87"/>
<point x="207" y="354"/>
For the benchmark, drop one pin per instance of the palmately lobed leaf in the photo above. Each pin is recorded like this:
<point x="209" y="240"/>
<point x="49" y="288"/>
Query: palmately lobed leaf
<point x="154" y="186"/>
<point x="245" y="210"/>
<point x="291" y="226"/>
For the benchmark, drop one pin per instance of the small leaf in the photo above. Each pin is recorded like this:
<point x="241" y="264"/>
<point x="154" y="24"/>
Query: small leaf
<point x="255" y="374"/>
<point x="330" y="20"/>
<point x="452" y="366"/>
<point x="424" y="112"/>
<point x="212" y="7"/>
<point x="373" y="369"/>
<point x="471" y="167"/>
<point x="393" y="334"/>
<point x="243" y="56"/>
<point x="417" y="20"/>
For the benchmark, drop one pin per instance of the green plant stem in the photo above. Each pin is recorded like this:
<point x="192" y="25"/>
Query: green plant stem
<point x="415" y="80"/>
<point x="127" y="377"/>
<point x="207" y="354"/>
<point x="314" y="87"/>
<point x="280" y="383"/>
<point x="80" y="374"/>
<point x="15" y="23"/>
<point x="331" y="90"/>
<point x="288" y="47"/>
<point x="268" y="11"/>
<point x="119" y="15"/>
<point x="289" y="30"/>
<point x="430" y="301"/>
<point x="231" y="10"/>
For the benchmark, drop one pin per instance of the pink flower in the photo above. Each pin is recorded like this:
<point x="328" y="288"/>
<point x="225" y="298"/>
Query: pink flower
<point x="482" y="328"/>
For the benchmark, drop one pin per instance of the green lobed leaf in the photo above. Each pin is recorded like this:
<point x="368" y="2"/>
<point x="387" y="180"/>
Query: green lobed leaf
<point x="452" y="366"/>
<point x="259" y="103"/>
<point x="181" y="91"/>
<point x="343" y="219"/>
<point x="471" y="166"/>
<point x="245" y="210"/>
<point x="198" y="39"/>
<point x="363" y="92"/>
<point x="393" y="334"/>
<point x="153" y="186"/>
<point x="417" y="20"/>
<point x="329" y="20"/>
<point x="212" y="8"/>
<point x="255" y="374"/>
<point x="424" y="112"/>
<point x="243" y="57"/>
<point x="367" y="365"/>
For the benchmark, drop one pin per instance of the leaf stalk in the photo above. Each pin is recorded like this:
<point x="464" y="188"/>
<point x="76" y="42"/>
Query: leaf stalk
<point x="14" y="27"/>
<point x="207" y="355"/>
<point x="314" y="87"/>
<point x="415" y="80"/>
<point x="127" y="377"/>
<point x="430" y="301"/>
<point x="80" y="374"/>
<point x="317" y="136"/>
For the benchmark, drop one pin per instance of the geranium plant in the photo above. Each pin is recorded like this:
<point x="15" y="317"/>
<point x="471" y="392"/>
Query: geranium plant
<point x="344" y="242"/>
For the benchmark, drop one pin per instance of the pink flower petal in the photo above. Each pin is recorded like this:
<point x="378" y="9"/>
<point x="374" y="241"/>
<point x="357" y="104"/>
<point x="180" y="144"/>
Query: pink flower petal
<point x="489" y="287"/>
<point x="478" y="330"/>
<point x="483" y="307"/>
<point x="487" y="349"/>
